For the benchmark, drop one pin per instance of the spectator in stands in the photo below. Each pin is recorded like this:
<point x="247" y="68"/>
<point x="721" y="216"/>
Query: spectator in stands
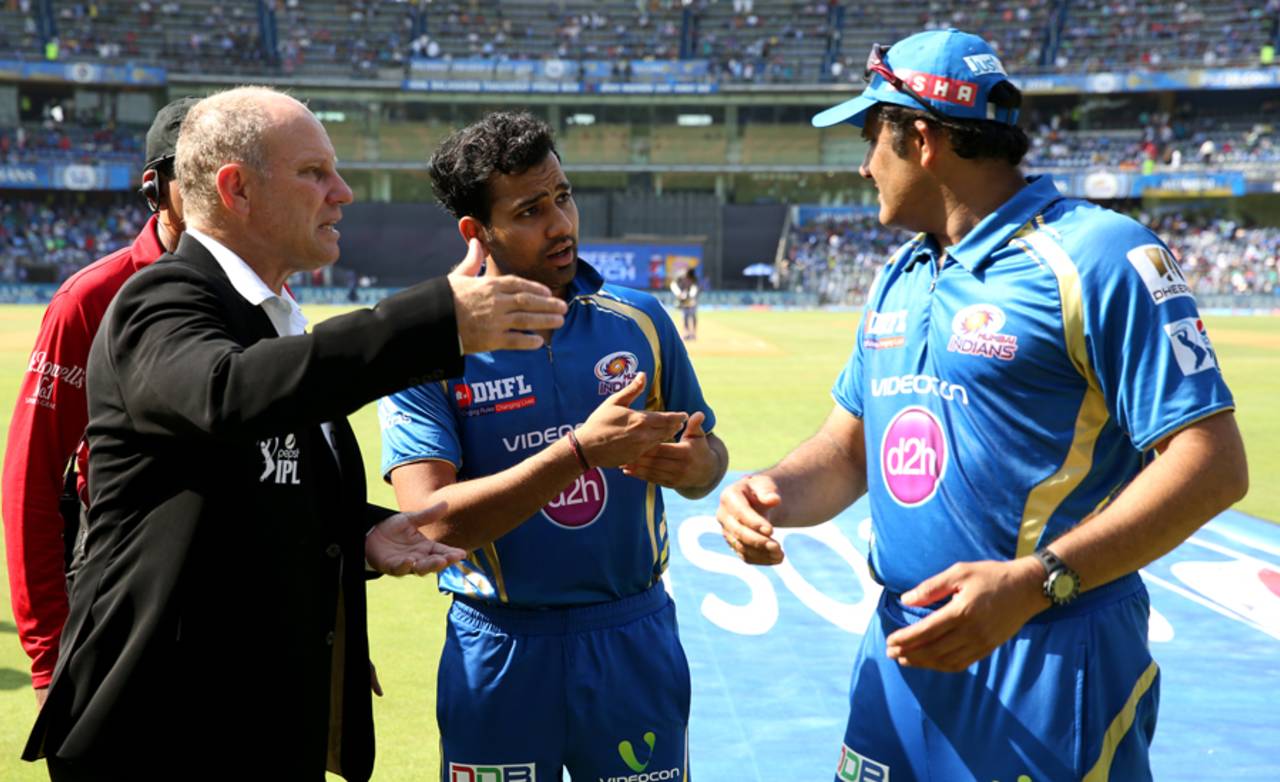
<point x="1019" y="317"/>
<point x="44" y="487"/>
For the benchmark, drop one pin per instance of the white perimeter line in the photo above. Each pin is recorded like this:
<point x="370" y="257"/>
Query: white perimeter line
<point x="1245" y="540"/>
<point x="1212" y="606"/>
<point x="1230" y="552"/>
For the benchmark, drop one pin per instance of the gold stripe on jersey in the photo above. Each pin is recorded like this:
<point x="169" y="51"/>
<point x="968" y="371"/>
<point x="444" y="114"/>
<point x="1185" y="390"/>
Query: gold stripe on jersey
<point x="1120" y="726"/>
<point x="653" y="398"/>
<point x="491" y="552"/>
<point x="1045" y="497"/>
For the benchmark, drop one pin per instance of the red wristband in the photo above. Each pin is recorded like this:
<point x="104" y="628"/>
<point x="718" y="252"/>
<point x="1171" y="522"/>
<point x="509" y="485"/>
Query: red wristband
<point x="577" y="450"/>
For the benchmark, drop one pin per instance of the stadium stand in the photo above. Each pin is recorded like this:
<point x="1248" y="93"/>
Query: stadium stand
<point x="47" y="238"/>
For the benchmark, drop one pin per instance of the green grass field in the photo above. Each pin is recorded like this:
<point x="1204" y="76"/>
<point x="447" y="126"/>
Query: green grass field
<point x="766" y="373"/>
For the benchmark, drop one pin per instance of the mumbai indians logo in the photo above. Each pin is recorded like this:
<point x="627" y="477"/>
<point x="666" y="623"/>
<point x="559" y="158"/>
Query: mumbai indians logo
<point x="467" y="772"/>
<point x="975" y="331"/>
<point x="616" y="370"/>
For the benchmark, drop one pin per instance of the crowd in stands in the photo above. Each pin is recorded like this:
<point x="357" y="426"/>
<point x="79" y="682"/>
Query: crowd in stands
<point x="1219" y="255"/>
<point x="1155" y="139"/>
<point x="742" y="40"/>
<point x="70" y="143"/>
<point x="47" y="238"/>
<point x="837" y="257"/>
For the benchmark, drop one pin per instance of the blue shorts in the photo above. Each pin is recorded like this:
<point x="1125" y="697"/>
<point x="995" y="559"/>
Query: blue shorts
<point x="1072" y="696"/>
<point x="600" y="690"/>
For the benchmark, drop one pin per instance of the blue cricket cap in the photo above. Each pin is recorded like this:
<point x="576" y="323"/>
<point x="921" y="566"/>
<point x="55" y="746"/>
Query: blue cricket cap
<point x="953" y="71"/>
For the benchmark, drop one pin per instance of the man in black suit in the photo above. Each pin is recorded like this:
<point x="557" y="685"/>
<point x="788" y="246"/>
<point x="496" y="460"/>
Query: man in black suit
<point x="218" y="626"/>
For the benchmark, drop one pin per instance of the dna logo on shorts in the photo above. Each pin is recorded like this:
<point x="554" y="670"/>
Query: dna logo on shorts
<point x="913" y="456"/>
<point x="581" y="503"/>
<point x="477" y="772"/>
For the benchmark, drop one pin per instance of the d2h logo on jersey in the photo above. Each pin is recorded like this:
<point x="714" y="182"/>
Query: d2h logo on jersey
<point x="913" y="456"/>
<point x="581" y="503"/>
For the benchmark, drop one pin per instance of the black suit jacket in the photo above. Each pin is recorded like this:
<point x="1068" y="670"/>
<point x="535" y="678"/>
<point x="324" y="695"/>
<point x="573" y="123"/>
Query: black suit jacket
<point x="225" y="570"/>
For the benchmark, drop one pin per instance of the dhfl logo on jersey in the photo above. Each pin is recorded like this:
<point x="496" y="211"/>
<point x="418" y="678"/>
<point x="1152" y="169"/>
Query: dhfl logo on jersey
<point x="494" y="396"/>
<point x="1159" y="272"/>
<point x="519" y="772"/>
<point x="927" y="85"/>
<point x="975" y="331"/>
<point x="885" y="330"/>
<point x="616" y="370"/>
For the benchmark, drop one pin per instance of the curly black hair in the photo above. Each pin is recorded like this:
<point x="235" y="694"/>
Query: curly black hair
<point x="504" y="142"/>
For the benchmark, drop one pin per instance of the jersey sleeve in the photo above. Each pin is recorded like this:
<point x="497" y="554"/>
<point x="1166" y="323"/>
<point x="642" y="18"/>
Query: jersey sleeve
<point x="418" y="425"/>
<point x="680" y="387"/>
<point x="1148" y="345"/>
<point x="847" y="390"/>
<point x="48" y="424"/>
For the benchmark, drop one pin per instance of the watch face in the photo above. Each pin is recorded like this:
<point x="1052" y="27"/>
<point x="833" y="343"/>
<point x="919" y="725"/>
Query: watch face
<point x="1062" y="586"/>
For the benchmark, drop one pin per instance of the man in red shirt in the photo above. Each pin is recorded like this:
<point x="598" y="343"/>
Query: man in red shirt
<point x="48" y="424"/>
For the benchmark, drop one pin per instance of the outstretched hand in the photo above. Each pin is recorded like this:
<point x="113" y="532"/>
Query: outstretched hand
<point x="615" y="434"/>
<point x="686" y="464"/>
<point x="494" y="310"/>
<point x="744" y="519"/>
<point x="395" y="546"/>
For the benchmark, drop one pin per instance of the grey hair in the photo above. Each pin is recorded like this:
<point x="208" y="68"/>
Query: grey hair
<point x="226" y="127"/>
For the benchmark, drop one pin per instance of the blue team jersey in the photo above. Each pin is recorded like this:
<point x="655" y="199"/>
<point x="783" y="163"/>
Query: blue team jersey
<point x="1015" y="391"/>
<point x="604" y="537"/>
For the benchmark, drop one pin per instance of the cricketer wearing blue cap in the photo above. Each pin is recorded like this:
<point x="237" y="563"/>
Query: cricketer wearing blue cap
<point x="1019" y="365"/>
<point x="562" y="650"/>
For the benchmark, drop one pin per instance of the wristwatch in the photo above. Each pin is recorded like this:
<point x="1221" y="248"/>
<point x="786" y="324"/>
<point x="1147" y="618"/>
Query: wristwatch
<point x="1061" y="583"/>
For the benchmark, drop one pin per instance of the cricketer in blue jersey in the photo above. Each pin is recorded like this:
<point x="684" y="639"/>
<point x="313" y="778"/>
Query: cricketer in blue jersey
<point x="561" y="649"/>
<point x="1019" y="365"/>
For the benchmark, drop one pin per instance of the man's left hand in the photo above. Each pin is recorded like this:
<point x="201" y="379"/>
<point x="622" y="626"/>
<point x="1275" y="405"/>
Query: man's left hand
<point x="990" y="601"/>
<point x="396" y="547"/>
<point x="687" y="464"/>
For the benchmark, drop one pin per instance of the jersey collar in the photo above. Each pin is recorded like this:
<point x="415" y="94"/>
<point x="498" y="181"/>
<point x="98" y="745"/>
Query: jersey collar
<point x="977" y="247"/>
<point x="586" y="280"/>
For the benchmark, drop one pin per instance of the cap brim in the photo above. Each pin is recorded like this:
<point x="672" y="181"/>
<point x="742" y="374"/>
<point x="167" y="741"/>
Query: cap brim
<point x="852" y="111"/>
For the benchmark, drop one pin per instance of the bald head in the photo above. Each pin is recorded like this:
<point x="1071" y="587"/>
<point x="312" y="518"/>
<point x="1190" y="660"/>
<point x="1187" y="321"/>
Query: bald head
<point x="233" y="126"/>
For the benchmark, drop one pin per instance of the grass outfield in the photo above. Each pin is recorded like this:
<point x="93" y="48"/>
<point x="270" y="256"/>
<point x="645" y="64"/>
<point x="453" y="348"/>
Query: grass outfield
<point x="767" y="375"/>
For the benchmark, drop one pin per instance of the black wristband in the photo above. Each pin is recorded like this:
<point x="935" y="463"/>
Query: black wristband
<point x="577" y="450"/>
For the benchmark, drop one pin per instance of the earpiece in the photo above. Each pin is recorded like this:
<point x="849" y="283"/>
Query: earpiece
<point x="150" y="189"/>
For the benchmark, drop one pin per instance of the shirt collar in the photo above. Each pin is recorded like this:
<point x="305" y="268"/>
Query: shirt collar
<point x="586" y="280"/>
<point x="146" y="247"/>
<point x="283" y="310"/>
<point x="976" y="248"/>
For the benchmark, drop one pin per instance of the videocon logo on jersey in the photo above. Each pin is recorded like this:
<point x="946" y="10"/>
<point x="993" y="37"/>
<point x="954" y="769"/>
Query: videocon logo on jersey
<point x="631" y="756"/>
<point x="616" y="370"/>
<point x="581" y="503"/>
<point x="913" y="456"/>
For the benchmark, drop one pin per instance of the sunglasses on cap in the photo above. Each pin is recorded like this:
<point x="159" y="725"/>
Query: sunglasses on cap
<point x="876" y="65"/>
